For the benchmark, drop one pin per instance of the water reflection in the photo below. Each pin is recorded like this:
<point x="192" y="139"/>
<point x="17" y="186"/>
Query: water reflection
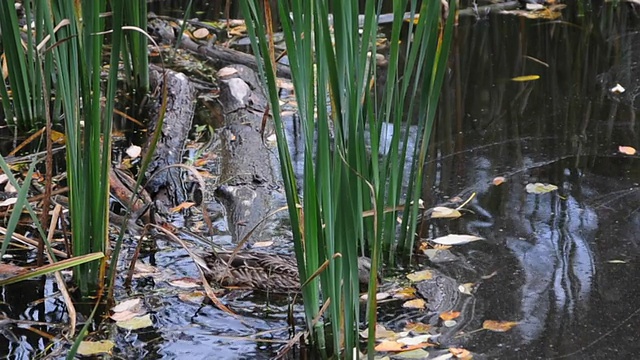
<point x="550" y="254"/>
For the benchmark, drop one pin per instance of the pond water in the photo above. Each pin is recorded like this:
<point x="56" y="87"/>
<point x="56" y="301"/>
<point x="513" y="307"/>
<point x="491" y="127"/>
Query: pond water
<point x="562" y="264"/>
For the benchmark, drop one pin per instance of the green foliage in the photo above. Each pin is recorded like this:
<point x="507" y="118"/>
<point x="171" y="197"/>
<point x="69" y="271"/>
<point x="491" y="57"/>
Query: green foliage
<point x="350" y="165"/>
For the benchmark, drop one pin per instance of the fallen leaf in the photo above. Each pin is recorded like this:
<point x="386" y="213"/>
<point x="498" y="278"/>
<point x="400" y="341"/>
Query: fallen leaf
<point x="498" y="180"/>
<point x="260" y="244"/>
<point x="443" y="357"/>
<point x="9" y="201"/>
<point x="449" y="315"/>
<point x="618" y="89"/>
<point x="381" y="332"/>
<point x="195" y="297"/>
<point x="185" y="283"/>
<point x="627" y="150"/>
<point x="226" y="71"/>
<point x="134" y="304"/>
<point x="441" y="212"/>
<point x="449" y="323"/>
<point x="379" y="296"/>
<point x="88" y="348"/>
<point x="415" y="304"/>
<point x="414" y="340"/>
<point x="57" y="137"/>
<point x="126" y="315"/>
<point x="456" y="239"/>
<point x="406" y="293"/>
<point x="466" y="288"/>
<point x="617" y="262"/>
<point x="420" y="275"/>
<point x="139" y="322"/>
<point x="417" y="328"/>
<point x="183" y="206"/>
<point x="412" y="354"/>
<point x="540" y="188"/>
<point x="461" y="353"/>
<point x="498" y="326"/>
<point x="525" y="78"/>
<point x="134" y="151"/>
<point x="394" y="346"/>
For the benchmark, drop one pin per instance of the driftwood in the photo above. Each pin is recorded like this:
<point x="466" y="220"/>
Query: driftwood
<point x="175" y="129"/>
<point x="249" y="169"/>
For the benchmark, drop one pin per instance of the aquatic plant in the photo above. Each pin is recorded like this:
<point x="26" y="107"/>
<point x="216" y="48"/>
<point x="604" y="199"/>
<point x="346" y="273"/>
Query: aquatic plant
<point x="354" y="185"/>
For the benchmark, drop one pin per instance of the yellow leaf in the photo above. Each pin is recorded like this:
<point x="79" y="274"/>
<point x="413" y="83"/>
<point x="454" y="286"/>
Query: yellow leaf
<point x="406" y="293"/>
<point x="57" y="137"/>
<point x="540" y="188"/>
<point x="498" y="326"/>
<point x="394" y="346"/>
<point x="441" y="212"/>
<point x="415" y="304"/>
<point x="420" y="275"/>
<point x="524" y="78"/>
<point x="417" y="327"/>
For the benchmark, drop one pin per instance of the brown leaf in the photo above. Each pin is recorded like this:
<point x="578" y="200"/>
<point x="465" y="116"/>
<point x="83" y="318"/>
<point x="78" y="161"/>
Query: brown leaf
<point x="498" y="326"/>
<point x="498" y="180"/>
<point x="449" y="315"/>
<point x="460" y="353"/>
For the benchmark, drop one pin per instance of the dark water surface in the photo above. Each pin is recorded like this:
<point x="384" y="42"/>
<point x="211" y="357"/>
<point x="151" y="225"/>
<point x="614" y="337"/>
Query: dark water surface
<point x="564" y="265"/>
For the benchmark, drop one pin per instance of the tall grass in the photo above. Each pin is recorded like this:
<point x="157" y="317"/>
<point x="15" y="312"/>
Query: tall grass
<point x="352" y="186"/>
<point x="63" y="55"/>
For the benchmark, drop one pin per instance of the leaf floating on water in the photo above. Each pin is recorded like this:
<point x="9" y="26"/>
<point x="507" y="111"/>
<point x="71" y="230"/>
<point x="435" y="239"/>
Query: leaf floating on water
<point x="381" y="333"/>
<point x="415" y="304"/>
<point x="460" y="353"/>
<point x="379" y="296"/>
<point x="443" y="357"/>
<point x="498" y="326"/>
<point x="134" y="151"/>
<point x="441" y="212"/>
<point x="262" y="244"/>
<point x="417" y="328"/>
<point x="185" y="283"/>
<point x="420" y="275"/>
<point x="414" y="340"/>
<point x="449" y="315"/>
<point x="88" y="348"/>
<point x="406" y="293"/>
<point x="139" y="322"/>
<point x="185" y="205"/>
<point x="498" y="180"/>
<point x="394" y="346"/>
<point x="128" y="305"/>
<point x="195" y="297"/>
<point x="466" y="288"/>
<point x="449" y="323"/>
<point x="627" y="150"/>
<point x="617" y="262"/>
<point x="412" y="354"/>
<point x="456" y="239"/>
<point x="540" y="188"/>
<point x="618" y="89"/>
<point x="525" y="78"/>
